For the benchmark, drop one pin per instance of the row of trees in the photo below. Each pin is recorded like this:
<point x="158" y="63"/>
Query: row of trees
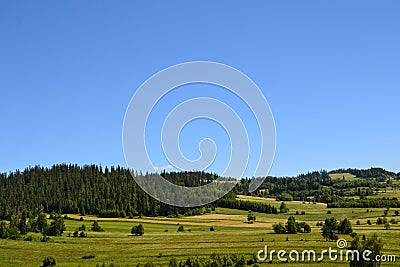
<point x="332" y="227"/>
<point x="20" y="225"/>
<point x="247" y="205"/>
<point x="366" y="203"/>
<point x="292" y="227"/>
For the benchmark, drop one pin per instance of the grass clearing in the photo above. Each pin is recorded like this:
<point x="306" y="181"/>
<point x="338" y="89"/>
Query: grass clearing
<point x="161" y="240"/>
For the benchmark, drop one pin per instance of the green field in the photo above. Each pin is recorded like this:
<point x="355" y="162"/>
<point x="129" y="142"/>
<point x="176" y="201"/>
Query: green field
<point x="347" y="176"/>
<point x="161" y="240"/>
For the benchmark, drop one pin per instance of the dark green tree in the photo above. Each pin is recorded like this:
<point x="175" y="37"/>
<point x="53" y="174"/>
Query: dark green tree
<point x="57" y="227"/>
<point x="96" y="227"/>
<point x="279" y="228"/>
<point x="4" y="229"/>
<point x="13" y="233"/>
<point x="283" y="208"/>
<point x="329" y="229"/>
<point x="345" y="227"/>
<point x="251" y="217"/>
<point x="42" y="223"/>
<point x="49" y="261"/>
<point x="22" y="227"/>
<point x="173" y="263"/>
<point x="373" y="244"/>
<point x="304" y="227"/>
<point x="291" y="226"/>
<point x="137" y="230"/>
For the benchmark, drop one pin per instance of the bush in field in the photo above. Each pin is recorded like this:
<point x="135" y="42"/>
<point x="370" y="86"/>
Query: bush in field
<point x="49" y="261"/>
<point x="251" y="217"/>
<point x="96" y="227"/>
<point x="137" y="230"/>
<point x="279" y="228"/>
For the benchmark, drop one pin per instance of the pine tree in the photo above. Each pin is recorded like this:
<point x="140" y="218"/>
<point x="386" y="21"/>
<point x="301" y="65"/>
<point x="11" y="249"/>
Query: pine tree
<point x="283" y="208"/>
<point x="291" y="226"/>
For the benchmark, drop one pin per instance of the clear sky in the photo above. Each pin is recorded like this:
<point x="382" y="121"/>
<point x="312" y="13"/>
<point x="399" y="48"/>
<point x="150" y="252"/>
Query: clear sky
<point x="330" y="71"/>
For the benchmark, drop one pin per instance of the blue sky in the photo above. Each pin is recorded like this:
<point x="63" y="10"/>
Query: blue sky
<point x="329" y="70"/>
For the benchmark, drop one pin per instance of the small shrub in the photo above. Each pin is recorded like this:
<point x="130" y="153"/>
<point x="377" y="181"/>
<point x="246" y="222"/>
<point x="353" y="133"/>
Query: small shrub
<point x="96" y="227"/>
<point x="212" y="229"/>
<point x="88" y="257"/>
<point x="49" y="261"/>
<point x="45" y="238"/>
<point x="137" y="230"/>
<point x="28" y="238"/>
<point x="180" y="228"/>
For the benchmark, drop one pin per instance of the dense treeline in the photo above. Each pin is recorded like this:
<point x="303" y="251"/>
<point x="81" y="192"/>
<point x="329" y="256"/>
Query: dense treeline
<point x="108" y="192"/>
<point x="369" y="173"/>
<point x="112" y="192"/>
<point x="366" y="203"/>
<point x="318" y="186"/>
<point x="247" y="205"/>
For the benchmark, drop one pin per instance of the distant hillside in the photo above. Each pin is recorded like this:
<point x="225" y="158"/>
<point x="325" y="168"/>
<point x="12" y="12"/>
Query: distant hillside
<point x="369" y="173"/>
<point x="111" y="192"/>
<point x="108" y="192"/>
<point x="330" y="187"/>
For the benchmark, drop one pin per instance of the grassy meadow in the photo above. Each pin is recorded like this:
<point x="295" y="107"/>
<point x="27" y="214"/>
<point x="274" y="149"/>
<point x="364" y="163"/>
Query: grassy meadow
<point x="161" y="240"/>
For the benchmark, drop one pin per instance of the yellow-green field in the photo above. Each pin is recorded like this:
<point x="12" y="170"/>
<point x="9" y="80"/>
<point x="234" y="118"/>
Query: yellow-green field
<point x="347" y="176"/>
<point x="161" y="240"/>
